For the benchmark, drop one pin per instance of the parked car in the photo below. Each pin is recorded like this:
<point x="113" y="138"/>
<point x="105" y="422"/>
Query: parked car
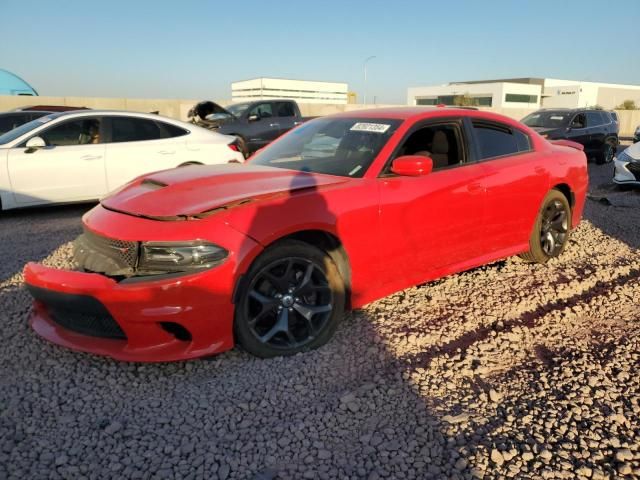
<point x="254" y="123"/>
<point x="596" y="130"/>
<point x="82" y="155"/>
<point x="636" y="135"/>
<point x="627" y="166"/>
<point x="339" y="212"/>
<point x="20" y="116"/>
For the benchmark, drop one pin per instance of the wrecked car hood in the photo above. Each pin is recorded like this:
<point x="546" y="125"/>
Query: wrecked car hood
<point x="207" y="107"/>
<point x="199" y="191"/>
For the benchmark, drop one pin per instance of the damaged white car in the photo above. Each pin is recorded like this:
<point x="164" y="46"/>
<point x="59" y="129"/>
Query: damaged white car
<point x="627" y="166"/>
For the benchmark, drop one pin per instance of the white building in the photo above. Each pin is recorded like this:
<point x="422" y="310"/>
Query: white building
<point x="527" y="93"/>
<point x="300" y="90"/>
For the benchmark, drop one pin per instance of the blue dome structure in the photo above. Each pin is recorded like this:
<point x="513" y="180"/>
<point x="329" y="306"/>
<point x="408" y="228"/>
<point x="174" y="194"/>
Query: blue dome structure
<point x="11" y="84"/>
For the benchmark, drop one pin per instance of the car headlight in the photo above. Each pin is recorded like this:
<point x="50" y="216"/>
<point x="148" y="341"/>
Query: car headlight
<point x="625" y="157"/>
<point x="169" y="257"/>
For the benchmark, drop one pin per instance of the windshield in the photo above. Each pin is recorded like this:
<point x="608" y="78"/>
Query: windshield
<point x="11" y="135"/>
<point x="334" y="146"/>
<point x="547" y="119"/>
<point x="237" y="109"/>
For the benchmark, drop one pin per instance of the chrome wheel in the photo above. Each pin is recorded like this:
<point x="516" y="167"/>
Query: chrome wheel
<point x="289" y="302"/>
<point x="554" y="228"/>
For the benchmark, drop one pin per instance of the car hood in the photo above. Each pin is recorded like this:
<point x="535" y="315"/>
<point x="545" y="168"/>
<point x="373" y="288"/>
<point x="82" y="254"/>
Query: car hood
<point x="197" y="191"/>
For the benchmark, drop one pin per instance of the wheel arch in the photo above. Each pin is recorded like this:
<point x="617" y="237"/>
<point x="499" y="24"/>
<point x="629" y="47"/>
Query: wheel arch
<point x="565" y="189"/>
<point x="329" y="243"/>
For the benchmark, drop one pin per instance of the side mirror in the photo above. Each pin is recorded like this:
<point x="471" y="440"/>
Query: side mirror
<point x="253" y="118"/>
<point x="412" y="165"/>
<point x="34" y="143"/>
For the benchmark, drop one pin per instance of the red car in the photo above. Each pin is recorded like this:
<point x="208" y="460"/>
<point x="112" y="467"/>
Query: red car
<point x="339" y="212"/>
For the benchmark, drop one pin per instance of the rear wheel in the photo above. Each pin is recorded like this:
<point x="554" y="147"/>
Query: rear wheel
<point x="551" y="230"/>
<point x="608" y="151"/>
<point x="292" y="300"/>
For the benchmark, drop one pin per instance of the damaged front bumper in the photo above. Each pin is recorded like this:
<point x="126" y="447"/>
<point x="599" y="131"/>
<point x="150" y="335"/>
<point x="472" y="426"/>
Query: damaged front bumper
<point x="626" y="172"/>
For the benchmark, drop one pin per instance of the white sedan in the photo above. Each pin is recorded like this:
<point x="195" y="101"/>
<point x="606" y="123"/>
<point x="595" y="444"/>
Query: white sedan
<point x="82" y="155"/>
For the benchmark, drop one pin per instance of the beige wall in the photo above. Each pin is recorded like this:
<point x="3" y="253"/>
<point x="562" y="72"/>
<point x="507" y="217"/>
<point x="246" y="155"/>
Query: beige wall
<point x="629" y="119"/>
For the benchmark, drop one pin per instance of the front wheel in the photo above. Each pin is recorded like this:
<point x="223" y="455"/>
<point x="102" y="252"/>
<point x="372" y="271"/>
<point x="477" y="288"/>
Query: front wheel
<point x="292" y="300"/>
<point x="551" y="230"/>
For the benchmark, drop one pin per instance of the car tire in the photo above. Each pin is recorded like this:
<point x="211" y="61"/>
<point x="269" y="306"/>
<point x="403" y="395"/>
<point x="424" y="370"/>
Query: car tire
<point x="291" y="299"/>
<point x="608" y="151"/>
<point x="551" y="230"/>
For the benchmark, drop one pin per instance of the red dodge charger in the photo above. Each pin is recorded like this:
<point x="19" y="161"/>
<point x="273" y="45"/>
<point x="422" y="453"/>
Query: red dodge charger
<point x="340" y="211"/>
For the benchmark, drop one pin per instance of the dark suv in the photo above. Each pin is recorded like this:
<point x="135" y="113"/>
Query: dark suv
<point x="597" y="130"/>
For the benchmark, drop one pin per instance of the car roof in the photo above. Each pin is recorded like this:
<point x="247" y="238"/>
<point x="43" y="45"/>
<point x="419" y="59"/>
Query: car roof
<point x="125" y="113"/>
<point x="419" y="113"/>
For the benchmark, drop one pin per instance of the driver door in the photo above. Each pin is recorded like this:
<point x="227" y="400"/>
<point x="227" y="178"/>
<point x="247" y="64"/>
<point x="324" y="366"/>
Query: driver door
<point x="263" y="125"/>
<point x="69" y="168"/>
<point x="432" y="223"/>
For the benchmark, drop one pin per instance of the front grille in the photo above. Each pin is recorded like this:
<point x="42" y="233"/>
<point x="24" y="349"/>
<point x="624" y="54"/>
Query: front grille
<point x="634" y="167"/>
<point x="78" y="313"/>
<point x="110" y="256"/>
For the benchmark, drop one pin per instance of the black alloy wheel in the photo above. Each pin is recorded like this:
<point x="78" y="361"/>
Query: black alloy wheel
<point x="293" y="300"/>
<point x="551" y="230"/>
<point x="554" y="229"/>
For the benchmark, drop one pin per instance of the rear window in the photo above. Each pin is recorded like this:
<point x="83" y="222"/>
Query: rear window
<point x="497" y="140"/>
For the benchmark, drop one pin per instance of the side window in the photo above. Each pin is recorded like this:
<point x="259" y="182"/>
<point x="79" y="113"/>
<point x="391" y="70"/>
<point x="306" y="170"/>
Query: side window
<point x="171" y="131"/>
<point x="498" y="140"/>
<point x="84" y="131"/>
<point x="285" y="109"/>
<point x="262" y="110"/>
<point x="442" y="143"/>
<point x="593" y="119"/>
<point x="9" y="122"/>
<point x="125" y="129"/>
<point x="579" y="121"/>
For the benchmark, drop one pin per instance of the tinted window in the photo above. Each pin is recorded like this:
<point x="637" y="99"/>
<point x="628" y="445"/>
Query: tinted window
<point x="593" y="119"/>
<point x="579" y="121"/>
<point x="9" y="122"/>
<point x="441" y="143"/>
<point x="262" y="110"/>
<point x="124" y="129"/>
<point x="614" y="116"/>
<point x="285" y="109"/>
<point x="170" y="131"/>
<point x="82" y="131"/>
<point x="497" y="140"/>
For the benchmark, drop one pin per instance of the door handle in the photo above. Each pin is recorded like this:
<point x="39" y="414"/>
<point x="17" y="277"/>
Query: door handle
<point x="166" y="152"/>
<point x="90" y="157"/>
<point x="274" y="124"/>
<point x="297" y="123"/>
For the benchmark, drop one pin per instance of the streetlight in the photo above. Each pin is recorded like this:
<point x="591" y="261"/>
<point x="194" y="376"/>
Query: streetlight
<point x="364" y="65"/>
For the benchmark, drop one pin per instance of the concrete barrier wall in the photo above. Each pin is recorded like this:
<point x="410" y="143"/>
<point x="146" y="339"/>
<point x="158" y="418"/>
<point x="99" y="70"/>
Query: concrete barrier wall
<point x="178" y="108"/>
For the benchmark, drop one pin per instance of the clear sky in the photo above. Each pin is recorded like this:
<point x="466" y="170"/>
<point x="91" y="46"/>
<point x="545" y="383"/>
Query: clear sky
<point x="195" y="49"/>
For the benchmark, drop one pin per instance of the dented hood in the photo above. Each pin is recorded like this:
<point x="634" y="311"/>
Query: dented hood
<point x="199" y="191"/>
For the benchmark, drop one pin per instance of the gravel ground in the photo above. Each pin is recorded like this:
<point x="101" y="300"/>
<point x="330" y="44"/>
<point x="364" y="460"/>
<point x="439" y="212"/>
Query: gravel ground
<point x="510" y="370"/>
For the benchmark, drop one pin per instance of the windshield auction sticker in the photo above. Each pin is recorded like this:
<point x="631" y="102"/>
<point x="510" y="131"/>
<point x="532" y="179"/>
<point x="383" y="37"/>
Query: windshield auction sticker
<point x="370" y="127"/>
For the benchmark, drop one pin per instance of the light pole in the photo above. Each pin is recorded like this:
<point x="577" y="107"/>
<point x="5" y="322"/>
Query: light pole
<point x="364" y="65"/>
